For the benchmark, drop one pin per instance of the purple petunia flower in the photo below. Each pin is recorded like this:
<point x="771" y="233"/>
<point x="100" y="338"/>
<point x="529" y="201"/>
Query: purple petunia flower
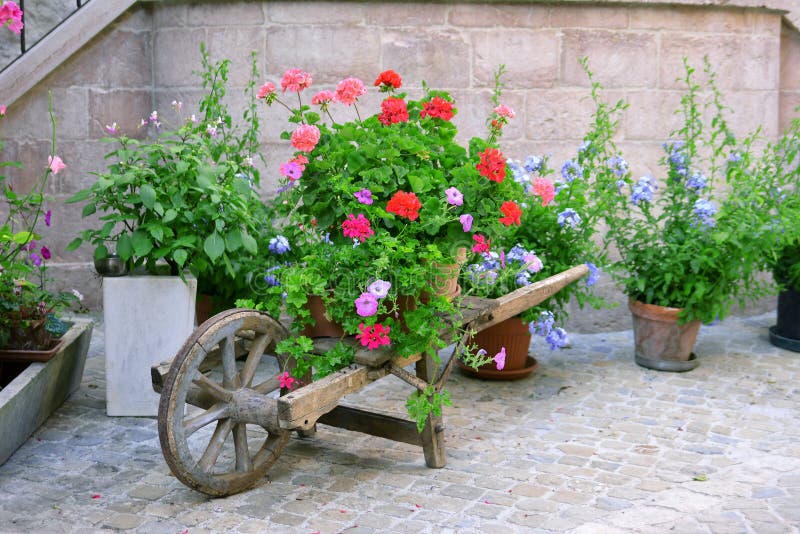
<point x="364" y="196"/>
<point x="291" y="170"/>
<point x="47" y="216"/>
<point x="366" y="305"/>
<point x="466" y="222"/>
<point x="454" y="196"/>
<point x="379" y="288"/>
<point x="36" y="259"/>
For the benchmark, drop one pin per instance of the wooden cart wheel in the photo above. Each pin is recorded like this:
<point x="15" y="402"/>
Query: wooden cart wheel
<point x="217" y="419"/>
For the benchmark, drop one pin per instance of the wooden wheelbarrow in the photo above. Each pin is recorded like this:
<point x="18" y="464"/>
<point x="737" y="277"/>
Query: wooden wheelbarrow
<point x="221" y="383"/>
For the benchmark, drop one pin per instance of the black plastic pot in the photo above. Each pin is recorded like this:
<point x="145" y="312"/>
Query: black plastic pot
<point x="786" y="334"/>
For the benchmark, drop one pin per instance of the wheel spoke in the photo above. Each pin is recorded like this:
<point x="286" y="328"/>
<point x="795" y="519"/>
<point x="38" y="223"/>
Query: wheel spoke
<point x="253" y="359"/>
<point x="214" y="447"/>
<point x="215" y="413"/>
<point x="270" y="384"/>
<point x="243" y="461"/>
<point x="230" y="376"/>
<point x="212" y="388"/>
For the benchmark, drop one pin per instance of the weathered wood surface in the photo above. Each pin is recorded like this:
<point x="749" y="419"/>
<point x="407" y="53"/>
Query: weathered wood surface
<point x="433" y="431"/>
<point x="374" y="423"/>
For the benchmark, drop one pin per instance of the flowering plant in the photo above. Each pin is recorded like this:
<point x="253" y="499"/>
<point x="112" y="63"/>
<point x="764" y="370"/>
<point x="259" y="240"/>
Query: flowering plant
<point x="693" y="239"/>
<point x="186" y="199"/>
<point x="379" y="207"/>
<point x="28" y="309"/>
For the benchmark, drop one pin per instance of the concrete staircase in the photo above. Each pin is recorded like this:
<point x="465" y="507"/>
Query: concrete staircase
<point x="57" y="46"/>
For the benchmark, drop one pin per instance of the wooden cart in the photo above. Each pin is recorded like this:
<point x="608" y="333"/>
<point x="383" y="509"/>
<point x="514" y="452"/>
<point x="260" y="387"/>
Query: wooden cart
<point x="223" y="383"/>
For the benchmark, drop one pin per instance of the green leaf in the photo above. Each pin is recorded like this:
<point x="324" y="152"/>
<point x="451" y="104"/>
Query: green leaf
<point x="148" y="195"/>
<point x="88" y="209"/>
<point x="205" y="177"/>
<point x="417" y="183"/>
<point x="74" y="244"/>
<point x="180" y="256"/>
<point x="22" y="238"/>
<point x="142" y="244"/>
<point x="79" y="196"/>
<point x="124" y="246"/>
<point x="249" y="243"/>
<point x="101" y="252"/>
<point x="233" y="240"/>
<point x="169" y="215"/>
<point x="214" y="246"/>
<point x="157" y="232"/>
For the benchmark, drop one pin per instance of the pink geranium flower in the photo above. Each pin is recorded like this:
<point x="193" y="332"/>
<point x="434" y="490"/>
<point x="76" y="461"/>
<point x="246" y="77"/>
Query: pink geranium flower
<point x="374" y="336"/>
<point x="357" y="227"/>
<point x="56" y="164"/>
<point x="504" y="111"/>
<point x="11" y="14"/>
<point x="545" y="189"/>
<point x="305" y="137"/>
<point x="286" y="381"/>
<point x="482" y="244"/>
<point x="2" y="110"/>
<point x="349" y="89"/>
<point x="295" y="80"/>
<point x="265" y="90"/>
<point x="323" y="97"/>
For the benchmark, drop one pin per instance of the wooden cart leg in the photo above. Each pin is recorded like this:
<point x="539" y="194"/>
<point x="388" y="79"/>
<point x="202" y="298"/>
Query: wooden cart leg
<point x="433" y="432"/>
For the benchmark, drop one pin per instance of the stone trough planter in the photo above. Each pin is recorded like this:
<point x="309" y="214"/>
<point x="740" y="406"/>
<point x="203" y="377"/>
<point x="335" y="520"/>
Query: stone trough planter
<point x="29" y="399"/>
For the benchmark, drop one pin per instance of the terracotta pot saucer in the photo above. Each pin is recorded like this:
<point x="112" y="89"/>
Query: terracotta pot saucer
<point x="493" y="374"/>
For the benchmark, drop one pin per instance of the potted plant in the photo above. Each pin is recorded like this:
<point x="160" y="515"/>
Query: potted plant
<point x="179" y="210"/>
<point x="557" y="224"/>
<point x="380" y="208"/>
<point x="780" y="165"/>
<point x="41" y="355"/>
<point x="690" y="242"/>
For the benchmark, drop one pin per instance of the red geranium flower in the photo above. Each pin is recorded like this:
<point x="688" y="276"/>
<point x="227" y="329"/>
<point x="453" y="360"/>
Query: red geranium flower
<point x="389" y="79"/>
<point x="481" y="244"/>
<point x="405" y="205"/>
<point x="393" y="110"/>
<point x="437" y="107"/>
<point x="511" y="211"/>
<point x="373" y="337"/>
<point x="492" y="165"/>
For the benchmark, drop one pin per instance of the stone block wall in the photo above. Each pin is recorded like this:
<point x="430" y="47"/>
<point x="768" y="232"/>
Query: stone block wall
<point x="146" y="60"/>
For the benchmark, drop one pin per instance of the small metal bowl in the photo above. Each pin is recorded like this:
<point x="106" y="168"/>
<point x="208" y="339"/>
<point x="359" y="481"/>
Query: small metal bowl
<point x="111" y="265"/>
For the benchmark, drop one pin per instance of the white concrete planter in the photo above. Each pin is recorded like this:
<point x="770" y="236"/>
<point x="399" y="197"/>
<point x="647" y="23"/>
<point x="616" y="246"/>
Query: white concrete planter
<point x="147" y="319"/>
<point x="41" y="388"/>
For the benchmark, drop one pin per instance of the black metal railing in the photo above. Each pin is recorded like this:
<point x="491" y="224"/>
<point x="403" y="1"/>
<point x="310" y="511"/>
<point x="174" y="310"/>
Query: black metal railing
<point x="22" y="43"/>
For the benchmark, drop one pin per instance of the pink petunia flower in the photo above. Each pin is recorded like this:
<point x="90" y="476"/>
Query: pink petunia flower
<point x="323" y="97"/>
<point x="500" y="359"/>
<point x="56" y="164"/>
<point x="466" y="222"/>
<point x="349" y="89"/>
<point x="533" y="262"/>
<point x="504" y="111"/>
<point x="305" y="137"/>
<point x="454" y="196"/>
<point x="291" y="170"/>
<point x="2" y="110"/>
<point x="366" y="304"/>
<point x="295" y="80"/>
<point x="545" y="189"/>
<point x="265" y="90"/>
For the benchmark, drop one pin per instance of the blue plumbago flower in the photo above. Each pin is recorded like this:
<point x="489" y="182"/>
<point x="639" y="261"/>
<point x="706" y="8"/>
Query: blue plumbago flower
<point x="584" y="146"/>
<point x="735" y="157"/>
<point x="696" y="181"/>
<point x="643" y="190"/>
<point x="544" y="325"/>
<point x="620" y="184"/>
<point x="271" y="278"/>
<point x="518" y="171"/>
<point x="594" y="274"/>
<point x="571" y="170"/>
<point x="557" y="338"/>
<point x="618" y="165"/>
<point x="677" y="157"/>
<point x="517" y="253"/>
<point x="534" y="163"/>
<point x="705" y="211"/>
<point x="523" y="278"/>
<point x="279" y="245"/>
<point x="326" y="238"/>
<point x="569" y="216"/>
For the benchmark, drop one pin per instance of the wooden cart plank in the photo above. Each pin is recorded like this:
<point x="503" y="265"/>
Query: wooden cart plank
<point x="433" y="431"/>
<point x="374" y="423"/>
<point x="302" y="408"/>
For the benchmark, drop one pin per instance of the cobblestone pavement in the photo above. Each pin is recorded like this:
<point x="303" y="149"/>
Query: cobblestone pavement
<point x="589" y="443"/>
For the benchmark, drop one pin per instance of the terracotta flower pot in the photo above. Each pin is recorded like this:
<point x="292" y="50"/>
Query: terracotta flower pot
<point x="323" y="327"/>
<point x="661" y="343"/>
<point x="512" y="334"/>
